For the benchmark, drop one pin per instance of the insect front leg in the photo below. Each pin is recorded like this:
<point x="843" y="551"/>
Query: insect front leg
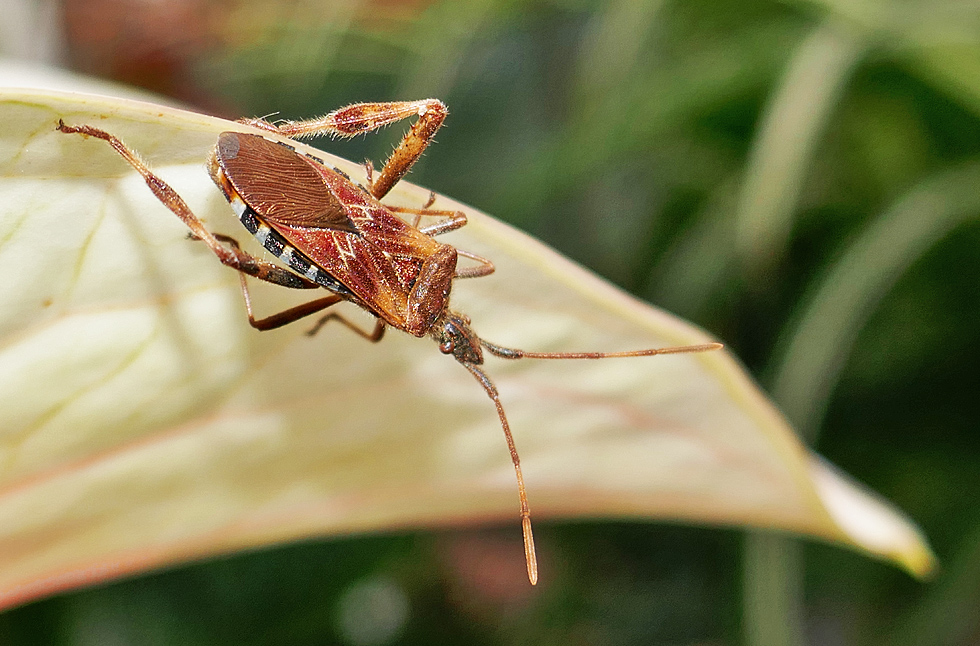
<point x="234" y="257"/>
<point x="484" y="268"/>
<point x="451" y="221"/>
<point x="363" y="117"/>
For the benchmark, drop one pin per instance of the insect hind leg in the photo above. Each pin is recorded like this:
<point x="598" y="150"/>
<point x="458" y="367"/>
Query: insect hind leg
<point x="363" y="117"/>
<point x="234" y="257"/>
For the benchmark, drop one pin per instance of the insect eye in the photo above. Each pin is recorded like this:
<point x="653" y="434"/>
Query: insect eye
<point x="447" y="346"/>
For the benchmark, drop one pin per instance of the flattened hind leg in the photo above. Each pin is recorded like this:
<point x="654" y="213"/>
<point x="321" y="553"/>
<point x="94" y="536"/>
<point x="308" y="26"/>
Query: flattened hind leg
<point x="363" y="117"/>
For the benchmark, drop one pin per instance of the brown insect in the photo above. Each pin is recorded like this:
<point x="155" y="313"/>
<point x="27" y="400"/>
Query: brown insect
<point x="335" y="234"/>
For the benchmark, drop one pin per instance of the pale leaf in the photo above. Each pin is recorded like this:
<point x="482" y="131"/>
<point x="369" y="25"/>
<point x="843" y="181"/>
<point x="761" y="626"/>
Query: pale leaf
<point x="144" y="423"/>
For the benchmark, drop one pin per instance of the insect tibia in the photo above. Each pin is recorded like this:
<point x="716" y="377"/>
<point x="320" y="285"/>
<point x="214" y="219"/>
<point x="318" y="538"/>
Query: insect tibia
<point x="361" y="117"/>
<point x="514" y="353"/>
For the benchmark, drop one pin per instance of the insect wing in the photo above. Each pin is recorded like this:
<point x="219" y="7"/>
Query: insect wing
<point x="281" y="185"/>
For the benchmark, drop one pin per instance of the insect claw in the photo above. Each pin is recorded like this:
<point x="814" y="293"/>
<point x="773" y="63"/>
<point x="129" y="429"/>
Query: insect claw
<point x="69" y="129"/>
<point x="261" y="124"/>
<point x="369" y="170"/>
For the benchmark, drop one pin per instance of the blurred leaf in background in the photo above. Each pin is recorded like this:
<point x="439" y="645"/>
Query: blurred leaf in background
<point x="798" y="177"/>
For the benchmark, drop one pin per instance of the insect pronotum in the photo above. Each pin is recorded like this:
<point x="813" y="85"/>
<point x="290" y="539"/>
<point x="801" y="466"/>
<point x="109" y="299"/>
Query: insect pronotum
<point x="335" y="234"/>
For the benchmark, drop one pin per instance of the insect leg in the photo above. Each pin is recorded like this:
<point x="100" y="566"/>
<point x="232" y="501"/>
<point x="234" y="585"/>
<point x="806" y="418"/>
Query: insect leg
<point x="529" y="551"/>
<point x="294" y="314"/>
<point x="452" y="219"/>
<point x="373" y="336"/>
<point x="300" y="311"/>
<point x="485" y="268"/>
<point x="363" y="117"/>
<point x="234" y="257"/>
<point x="282" y="318"/>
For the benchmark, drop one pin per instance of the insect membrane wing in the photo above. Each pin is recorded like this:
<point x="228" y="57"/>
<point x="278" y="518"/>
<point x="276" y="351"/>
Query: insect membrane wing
<point x="279" y="184"/>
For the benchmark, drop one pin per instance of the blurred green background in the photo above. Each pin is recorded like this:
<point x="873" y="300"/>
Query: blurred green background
<point x="800" y="178"/>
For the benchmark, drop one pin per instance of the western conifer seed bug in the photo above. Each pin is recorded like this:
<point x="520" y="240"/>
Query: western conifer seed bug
<point x="335" y="234"/>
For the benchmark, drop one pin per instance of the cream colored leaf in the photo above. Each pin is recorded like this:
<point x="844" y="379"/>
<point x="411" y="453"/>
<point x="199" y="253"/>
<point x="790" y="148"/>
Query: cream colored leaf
<point x="143" y="422"/>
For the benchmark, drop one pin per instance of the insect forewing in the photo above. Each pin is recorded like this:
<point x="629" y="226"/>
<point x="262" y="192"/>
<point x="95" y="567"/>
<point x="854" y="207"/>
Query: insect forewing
<point x="279" y="184"/>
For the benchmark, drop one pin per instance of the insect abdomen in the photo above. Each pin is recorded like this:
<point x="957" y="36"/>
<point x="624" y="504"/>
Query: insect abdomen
<point x="277" y="245"/>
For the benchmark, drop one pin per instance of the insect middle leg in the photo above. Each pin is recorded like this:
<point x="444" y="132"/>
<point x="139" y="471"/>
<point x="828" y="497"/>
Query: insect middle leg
<point x="301" y="311"/>
<point x="364" y="117"/>
<point x="234" y="257"/>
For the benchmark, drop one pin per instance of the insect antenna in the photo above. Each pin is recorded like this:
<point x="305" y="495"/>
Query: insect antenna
<point x="491" y="390"/>
<point x="514" y="353"/>
<point x="529" y="553"/>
